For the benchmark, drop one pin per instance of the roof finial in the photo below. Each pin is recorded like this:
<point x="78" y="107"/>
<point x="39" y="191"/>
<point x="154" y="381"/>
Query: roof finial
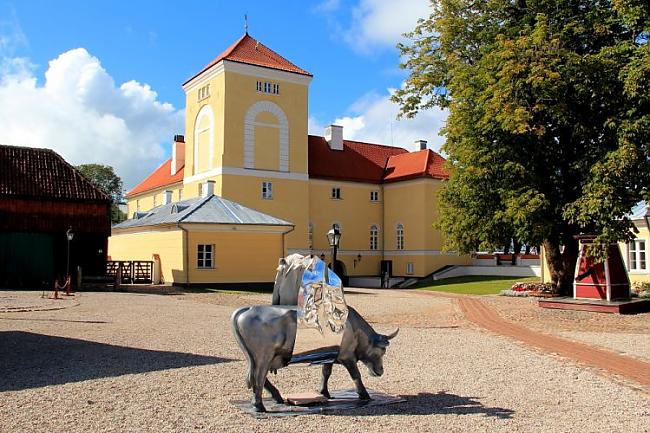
<point x="246" y="23"/>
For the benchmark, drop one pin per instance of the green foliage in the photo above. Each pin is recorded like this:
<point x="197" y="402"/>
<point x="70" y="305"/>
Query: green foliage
<point x="548" y="131"/>
<point x="104" y="177"/>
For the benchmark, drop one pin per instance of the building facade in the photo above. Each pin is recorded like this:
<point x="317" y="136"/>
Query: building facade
<point x="246" y="133"/>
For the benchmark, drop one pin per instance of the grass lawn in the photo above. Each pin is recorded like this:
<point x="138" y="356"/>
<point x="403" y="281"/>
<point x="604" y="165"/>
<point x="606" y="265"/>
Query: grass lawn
<point x="473" y="285"/>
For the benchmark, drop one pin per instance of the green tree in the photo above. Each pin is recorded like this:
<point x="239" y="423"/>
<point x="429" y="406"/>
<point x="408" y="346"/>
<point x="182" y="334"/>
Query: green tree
<point x="104" y="177"/>
<point x="548" y="131"/>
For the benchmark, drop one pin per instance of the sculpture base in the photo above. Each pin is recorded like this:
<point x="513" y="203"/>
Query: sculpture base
<point x="340" y="401"/>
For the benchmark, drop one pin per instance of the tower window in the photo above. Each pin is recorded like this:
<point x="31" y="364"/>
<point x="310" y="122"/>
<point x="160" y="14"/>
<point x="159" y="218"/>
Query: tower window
<point x="400" y="237"/>
<point x="204" y="92"/>
<point x="267" y="87"/>
<point x="374" y="237"/>
<point x="336" y="193"/>
<point x="374" y="195"/>
<point x="267" y="190"/>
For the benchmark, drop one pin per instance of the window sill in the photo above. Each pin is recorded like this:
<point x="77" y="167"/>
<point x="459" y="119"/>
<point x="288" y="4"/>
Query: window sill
<point x="205" y="269"/>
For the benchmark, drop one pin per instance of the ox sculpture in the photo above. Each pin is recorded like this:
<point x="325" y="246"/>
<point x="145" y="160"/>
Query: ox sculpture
<point x="319" y="328"/>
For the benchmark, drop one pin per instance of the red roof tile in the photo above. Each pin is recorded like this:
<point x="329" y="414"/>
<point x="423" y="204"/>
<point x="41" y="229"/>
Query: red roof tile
<point x="357" y="162"/>
<point x="159" y="178"/>
<point x="252" y="52"/>
<point x="425" y="163"/>
<point x="42" y="173"/>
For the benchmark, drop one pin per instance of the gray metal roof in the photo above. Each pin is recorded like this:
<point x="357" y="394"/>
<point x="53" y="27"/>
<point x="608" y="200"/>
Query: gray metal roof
<point x="638" y="212"/>
<point x="202" y="210"/>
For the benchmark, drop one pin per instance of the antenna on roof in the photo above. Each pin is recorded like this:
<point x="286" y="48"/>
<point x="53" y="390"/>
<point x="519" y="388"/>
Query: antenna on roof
<point x="246" y="23"/>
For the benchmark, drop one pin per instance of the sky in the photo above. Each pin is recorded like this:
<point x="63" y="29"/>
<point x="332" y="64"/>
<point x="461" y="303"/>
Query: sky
<point x="100" y="81"/>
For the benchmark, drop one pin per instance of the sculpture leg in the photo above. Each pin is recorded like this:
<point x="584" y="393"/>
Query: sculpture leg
<point x="327" y="372"/>
<point x="274" y="392"/>
<point x="258" y="385"/>
<point x="356" y="377"/>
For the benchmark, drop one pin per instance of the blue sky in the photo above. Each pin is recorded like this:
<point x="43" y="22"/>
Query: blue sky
<point x="100" y="81"/>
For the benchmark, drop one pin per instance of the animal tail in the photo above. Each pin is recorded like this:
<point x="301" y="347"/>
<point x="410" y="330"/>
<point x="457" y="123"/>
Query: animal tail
<point x="250" y="379"/>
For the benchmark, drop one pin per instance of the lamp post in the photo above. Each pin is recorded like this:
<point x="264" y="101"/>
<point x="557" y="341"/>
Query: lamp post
<point x="333" y="238"/>
<point x="69" y="235"/>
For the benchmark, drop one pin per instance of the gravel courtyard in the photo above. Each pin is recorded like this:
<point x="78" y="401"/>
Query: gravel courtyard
<point x="127" y="362"/>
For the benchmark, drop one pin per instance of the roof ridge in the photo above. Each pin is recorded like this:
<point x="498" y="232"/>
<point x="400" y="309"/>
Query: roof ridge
<point x="202" y="201"/>
<point x="81" y="176"/>
<point x="364" y="142"/>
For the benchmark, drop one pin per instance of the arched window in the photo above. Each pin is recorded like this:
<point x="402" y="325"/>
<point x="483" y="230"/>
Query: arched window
<point x="400" y="236"/>
<point x="374" y="237"/>
<point x="264" y="123"/>
<point x="203" y="140"/>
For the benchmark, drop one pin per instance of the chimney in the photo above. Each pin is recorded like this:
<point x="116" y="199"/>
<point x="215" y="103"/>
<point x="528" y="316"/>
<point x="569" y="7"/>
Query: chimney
<point x="208" y="188"/>
<point x="334" y="137"/>
<point x="178" y="154"/>
<point x="420" y="145"/>
<point x="167" y="197"/>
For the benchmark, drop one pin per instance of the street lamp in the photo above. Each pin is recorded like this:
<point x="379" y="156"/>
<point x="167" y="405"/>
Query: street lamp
<point x="69" y="235"/>
<point x="334" y="238"/>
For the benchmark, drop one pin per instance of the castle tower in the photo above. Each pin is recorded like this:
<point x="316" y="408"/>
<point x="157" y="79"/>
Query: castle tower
<point x="246" y="129"/>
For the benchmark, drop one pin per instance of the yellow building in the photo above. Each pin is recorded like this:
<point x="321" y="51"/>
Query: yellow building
<point x="246" y="141"/>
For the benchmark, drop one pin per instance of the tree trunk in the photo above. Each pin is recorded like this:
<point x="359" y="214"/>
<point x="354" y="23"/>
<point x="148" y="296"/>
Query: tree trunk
<point x="515" y="251"/>
<point x="561" y="264"/>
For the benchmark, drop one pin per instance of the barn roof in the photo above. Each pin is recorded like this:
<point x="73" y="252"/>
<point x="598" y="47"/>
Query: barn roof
<point x="42" y="173"/>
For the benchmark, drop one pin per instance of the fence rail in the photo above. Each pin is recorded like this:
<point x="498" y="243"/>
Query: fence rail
<point x="130" y="271"/>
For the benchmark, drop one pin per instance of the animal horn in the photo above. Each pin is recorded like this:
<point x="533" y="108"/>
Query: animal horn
<point x="392" y="334"/>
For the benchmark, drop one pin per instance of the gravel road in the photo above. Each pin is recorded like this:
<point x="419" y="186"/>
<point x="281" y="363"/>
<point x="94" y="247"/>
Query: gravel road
<point x="124" y="362"/>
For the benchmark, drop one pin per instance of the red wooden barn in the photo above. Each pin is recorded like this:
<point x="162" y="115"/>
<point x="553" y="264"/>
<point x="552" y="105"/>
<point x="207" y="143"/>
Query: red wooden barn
<point x="41" y="198"/>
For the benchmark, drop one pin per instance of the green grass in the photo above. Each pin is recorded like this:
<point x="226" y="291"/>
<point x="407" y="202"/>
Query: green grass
<point x="473" y="285"/>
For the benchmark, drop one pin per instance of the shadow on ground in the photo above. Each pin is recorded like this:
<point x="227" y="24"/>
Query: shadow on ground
<point x="29" y="360"/>
<point x="440" y="403"/>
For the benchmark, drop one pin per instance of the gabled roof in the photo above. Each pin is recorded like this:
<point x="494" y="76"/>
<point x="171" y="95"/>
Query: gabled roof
<point x="159" y="178"/>
<point x="43" y="174"/>
<point x="424" y="163"/>
<point x="357" y="162"/>
<point x="202" y="210"/>
<point x="252" y="52"/>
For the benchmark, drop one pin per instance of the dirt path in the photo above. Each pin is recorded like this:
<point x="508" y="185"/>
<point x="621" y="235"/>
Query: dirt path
<point x="632" y="369"/>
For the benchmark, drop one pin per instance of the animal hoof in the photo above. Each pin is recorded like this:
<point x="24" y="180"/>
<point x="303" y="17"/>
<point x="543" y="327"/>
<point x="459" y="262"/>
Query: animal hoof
<point x="325" y="394"/>
<point x="278" y="400"/>
<point x="259" y="407"/>
<point x="364" y="396"/>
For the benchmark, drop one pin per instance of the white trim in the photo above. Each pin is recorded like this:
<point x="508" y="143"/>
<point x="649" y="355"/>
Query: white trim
<point x="205" y="110"/>
<point x="246" y="69"/>
<point x="347" y="253"/>
<point x="221" y="228"/>
<point x="420" y="253"/>
<point x="249" y="132"/>
<point x="608" y="281"/>
<point x="249" y="172"/>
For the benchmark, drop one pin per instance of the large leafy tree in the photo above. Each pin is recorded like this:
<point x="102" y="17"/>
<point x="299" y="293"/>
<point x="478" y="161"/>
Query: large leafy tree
<point x="104" y="177"/>
<point x="548" y="133"/>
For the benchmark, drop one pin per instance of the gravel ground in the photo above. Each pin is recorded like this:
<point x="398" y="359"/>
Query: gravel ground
<point x="634" y="345"/>
<point x="134" y="362"/>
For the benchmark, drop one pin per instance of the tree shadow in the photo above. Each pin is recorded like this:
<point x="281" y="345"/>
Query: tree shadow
<point x="440" y="403"/>
<point x="29" y="360"/>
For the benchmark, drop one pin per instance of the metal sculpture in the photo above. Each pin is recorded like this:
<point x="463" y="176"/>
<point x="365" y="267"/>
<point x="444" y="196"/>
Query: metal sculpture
<point x="319" y="328"/>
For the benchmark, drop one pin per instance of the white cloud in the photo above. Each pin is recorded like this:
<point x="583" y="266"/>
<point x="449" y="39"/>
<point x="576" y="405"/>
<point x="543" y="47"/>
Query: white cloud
<point x="373" y="120"/>
<point x="82" y="114"/>
<point x="377" y="23"/>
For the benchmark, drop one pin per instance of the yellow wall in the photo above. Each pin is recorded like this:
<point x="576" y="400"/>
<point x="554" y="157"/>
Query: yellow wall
<point x="638" y="275"/>
<point x="142" y="246"/>
<point x="145" y="201"/>
<point x="239" y="257"/>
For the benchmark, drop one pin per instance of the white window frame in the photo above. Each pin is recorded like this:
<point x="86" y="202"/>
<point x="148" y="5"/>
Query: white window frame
<point x="399" y="236"/>
<point x="637" y="257"/>
<point x="336" y="193"/>
<point x="267" y="190"/>
<point x="374" y="237"/>
<point x="205" y="256"/>
<point x="409" y="268"/>
<point x="374" y="196"/>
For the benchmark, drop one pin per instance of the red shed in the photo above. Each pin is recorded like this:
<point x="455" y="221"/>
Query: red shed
<point x="41" y="197"/>
<point x="607" y="280"/>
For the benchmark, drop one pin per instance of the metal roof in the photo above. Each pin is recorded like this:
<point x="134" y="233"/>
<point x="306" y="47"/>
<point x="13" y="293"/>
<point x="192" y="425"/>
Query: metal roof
<point x="639" y="211"/>
<point x="202" y="210"/>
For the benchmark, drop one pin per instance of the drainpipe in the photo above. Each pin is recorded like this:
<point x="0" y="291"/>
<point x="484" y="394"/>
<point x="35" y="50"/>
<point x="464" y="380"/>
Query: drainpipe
<point x="185" y="254"/>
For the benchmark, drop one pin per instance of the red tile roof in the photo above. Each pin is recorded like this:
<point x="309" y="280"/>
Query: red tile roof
<point x="357" y="162"/>
<point x="159" y="178"/>
<point x="42" y="173"/>
<point x="252" y="52"/>
<point x="425" y="163"/>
